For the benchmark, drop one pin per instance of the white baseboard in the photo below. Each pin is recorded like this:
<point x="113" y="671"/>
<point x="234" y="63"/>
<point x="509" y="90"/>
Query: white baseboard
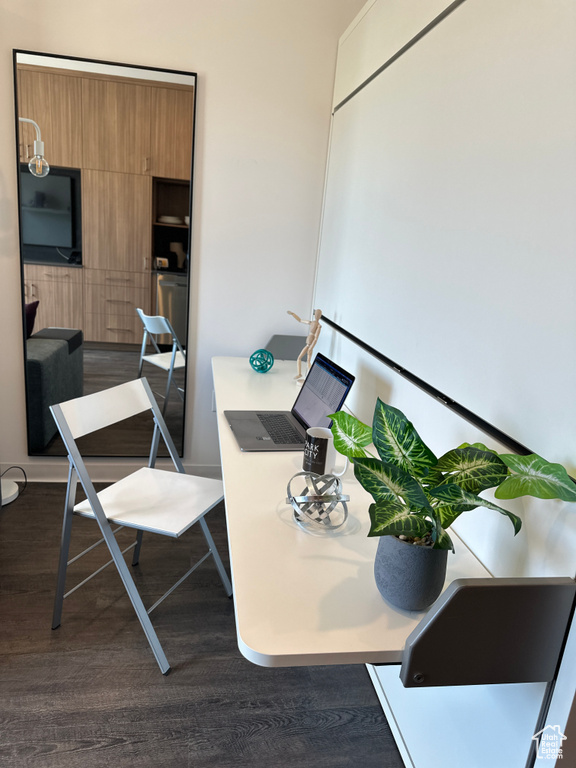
<point x="54" y="469"/>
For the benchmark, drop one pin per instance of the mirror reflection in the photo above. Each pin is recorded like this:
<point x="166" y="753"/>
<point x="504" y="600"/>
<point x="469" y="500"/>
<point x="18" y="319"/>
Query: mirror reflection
<point x="104" y="232"/>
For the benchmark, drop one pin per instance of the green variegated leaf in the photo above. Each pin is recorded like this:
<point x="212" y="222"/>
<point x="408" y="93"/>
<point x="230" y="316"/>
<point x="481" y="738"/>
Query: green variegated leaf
<point x="444" y="541"/>
<point x="397" y="442"/>
<point x="386" y="481"/>
<point x="447" y="513"/>
<point x="388" y="518"/>
<point x="472" y="469"/>
<point x="350" y="434"/>
<point x="456" y="496"/>
<point x="534" y="476"/>
<point x="368" y="473"/>
<point x="480" y="446"/>
<point x="433" y="478"/>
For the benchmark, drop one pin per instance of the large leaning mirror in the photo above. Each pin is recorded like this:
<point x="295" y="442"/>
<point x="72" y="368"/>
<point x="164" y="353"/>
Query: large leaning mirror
<point x="104" y="232"/>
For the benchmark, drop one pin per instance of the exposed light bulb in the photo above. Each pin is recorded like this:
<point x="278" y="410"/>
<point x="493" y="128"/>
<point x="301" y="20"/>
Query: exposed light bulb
<point x="38" y="165"/>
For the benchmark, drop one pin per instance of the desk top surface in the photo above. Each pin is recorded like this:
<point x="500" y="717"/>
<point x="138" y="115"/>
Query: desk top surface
<point x="301" y="598"/>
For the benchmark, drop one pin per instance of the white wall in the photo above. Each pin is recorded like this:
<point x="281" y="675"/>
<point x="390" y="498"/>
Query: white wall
<point x="453" y="187"/>
<point x="377" y="33"/>
<point x="546" y="545"/>
<point x="265" y="77"/>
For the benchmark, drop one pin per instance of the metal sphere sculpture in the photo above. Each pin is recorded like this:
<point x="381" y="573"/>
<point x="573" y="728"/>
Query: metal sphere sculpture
<point x="262" y="360"/>
<point x="320" y="505"/>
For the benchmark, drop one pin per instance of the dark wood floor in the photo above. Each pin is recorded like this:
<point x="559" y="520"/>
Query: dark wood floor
<point x="90" y="695"/>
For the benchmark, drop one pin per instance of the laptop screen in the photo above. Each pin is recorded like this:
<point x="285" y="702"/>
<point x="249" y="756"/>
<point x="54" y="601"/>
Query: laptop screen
<point x="323" y="392"/>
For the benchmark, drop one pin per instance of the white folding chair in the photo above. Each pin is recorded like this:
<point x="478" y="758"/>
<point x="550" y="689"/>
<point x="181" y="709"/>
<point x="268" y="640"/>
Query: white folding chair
<point x="155" y="325"/>
<point x="159" y="501"/>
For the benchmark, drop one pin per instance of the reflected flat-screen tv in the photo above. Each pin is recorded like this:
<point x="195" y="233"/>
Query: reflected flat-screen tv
<point x="50" y="216"/>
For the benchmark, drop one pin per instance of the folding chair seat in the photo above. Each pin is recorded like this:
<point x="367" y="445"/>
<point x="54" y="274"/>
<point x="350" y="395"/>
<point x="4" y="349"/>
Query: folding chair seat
<point x="154" y="500"/>
<point x="157" y="325"/>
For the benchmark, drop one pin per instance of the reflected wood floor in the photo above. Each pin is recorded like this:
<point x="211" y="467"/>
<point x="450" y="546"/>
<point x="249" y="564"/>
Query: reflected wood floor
<point x="90" y="695"/>
<point x="107" y="365"/>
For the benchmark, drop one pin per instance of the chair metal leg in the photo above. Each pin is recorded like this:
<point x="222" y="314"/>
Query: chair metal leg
<point x="167" y="395"/>
<point x="142" y="353"/>
<point x="118" y="559"/>
<point x="216" y="555"/>
<point x="136" y="554"/>
<point x="154" y="445"/>
<point x="64" y="546"/>
<point x="136" y="601"/>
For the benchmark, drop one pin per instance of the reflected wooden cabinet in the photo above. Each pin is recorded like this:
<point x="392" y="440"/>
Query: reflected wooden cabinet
<point x="116" y="254"/>
<point x="141" y="129"/>
<point x="34" y="103"/>
<point x="110" y="301"/>
<point x="172" y="126"/>
<point x="100" y="302"/>
<point x="116" y="126"/>
<point x="107" y="125"/>
<point x="54" y="101"/>
<point x="122" y="134"/>
<point x="116" y="216"/>
<point x="59" y="292"/>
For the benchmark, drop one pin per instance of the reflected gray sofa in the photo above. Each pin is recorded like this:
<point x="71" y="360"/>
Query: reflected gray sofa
<point x="54" y="373"/>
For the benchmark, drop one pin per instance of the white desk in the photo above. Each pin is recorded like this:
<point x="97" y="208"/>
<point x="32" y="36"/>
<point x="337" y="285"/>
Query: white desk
<point x="301" y="598"/>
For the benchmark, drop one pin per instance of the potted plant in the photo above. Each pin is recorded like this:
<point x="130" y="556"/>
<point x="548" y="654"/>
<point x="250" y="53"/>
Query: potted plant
<point x="417" y="496"/>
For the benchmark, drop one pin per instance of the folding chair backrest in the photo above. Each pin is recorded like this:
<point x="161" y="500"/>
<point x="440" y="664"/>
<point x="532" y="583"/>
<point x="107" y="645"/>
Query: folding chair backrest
<point x="155" y="324"/>
<point x="87" y="414"/>
<point x="84" y="415"/>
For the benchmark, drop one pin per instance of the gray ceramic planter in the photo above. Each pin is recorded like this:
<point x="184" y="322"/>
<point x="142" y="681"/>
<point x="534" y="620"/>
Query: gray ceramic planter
<point x="408" y="576"/>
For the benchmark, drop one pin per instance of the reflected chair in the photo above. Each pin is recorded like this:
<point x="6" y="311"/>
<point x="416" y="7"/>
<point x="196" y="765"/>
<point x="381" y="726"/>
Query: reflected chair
<point x="156" y="325"/>
<point x="159" y="501"/>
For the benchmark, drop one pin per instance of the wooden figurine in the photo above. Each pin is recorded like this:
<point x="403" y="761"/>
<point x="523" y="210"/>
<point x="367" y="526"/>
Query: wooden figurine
<point x="311" y="339"/>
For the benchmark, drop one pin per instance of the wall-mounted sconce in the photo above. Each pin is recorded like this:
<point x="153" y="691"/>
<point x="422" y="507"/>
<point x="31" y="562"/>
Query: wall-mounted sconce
<point x="38" y="165"/>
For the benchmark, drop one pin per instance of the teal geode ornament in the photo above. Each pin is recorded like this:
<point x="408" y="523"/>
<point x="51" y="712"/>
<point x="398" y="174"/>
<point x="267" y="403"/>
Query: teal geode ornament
<point x="262" y="360"/>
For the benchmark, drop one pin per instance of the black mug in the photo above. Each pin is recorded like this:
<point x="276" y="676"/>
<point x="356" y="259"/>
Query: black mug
<point x="320" y="454"/>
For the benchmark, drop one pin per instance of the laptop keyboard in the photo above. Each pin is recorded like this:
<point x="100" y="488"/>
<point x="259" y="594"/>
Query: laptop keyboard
<point x="280" y="429"/>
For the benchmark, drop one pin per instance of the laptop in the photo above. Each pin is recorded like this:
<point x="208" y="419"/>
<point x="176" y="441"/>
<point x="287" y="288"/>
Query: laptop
<point x="323" y="392"/>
